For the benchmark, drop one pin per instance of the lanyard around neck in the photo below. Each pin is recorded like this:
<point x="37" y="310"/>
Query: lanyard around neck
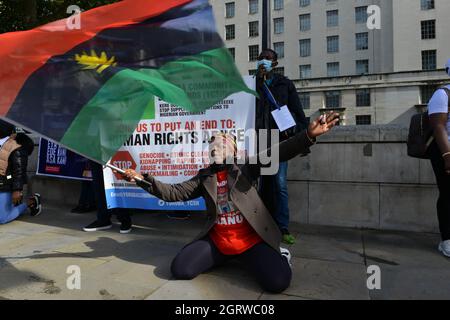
<point x="270" y="96"/>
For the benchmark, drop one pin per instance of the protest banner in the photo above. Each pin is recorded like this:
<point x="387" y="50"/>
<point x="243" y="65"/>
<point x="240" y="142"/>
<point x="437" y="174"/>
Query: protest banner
<point x="56" y="161"/>
<point x="173" y="147"/>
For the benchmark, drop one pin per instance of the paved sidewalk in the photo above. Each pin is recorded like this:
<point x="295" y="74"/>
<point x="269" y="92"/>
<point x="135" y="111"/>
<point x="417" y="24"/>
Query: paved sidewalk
<point x="328" y="263"/>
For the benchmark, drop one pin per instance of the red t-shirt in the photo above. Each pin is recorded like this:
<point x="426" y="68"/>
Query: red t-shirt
<point x="232" y="234"/>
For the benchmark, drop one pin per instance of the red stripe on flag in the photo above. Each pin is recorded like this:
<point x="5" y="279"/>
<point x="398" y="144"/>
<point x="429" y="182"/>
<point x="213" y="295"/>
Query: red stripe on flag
<point x="22" y="53"/>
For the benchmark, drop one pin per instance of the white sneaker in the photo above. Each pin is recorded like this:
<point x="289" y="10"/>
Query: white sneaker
<point x="444" y="247"/>
<point x="285" y="253"/>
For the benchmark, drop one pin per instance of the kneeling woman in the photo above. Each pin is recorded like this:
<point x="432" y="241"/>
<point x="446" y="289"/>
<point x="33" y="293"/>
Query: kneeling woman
<point x="239" y="225"/>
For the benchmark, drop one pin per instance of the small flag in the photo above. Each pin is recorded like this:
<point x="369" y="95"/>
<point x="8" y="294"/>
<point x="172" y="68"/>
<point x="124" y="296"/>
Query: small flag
<point x="87" y="88"/>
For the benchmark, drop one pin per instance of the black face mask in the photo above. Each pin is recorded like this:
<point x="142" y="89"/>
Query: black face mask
<point x="6" y="129"/>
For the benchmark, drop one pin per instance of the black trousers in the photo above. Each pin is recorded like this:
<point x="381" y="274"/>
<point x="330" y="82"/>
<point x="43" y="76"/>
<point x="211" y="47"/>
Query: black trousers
<point x="87" y="195"/>
<point x="103" y="213"/>
<point x="269" y="267"/>
<point x="443" y="182"/>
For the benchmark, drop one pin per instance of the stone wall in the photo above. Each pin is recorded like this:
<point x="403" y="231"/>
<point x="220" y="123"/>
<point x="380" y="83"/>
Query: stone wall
<point x="361" y="176"/>
<point x="356" y="176"/>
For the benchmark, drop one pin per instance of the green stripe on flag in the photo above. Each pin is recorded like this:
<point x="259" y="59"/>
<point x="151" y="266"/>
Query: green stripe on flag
<point x="149" y="112"/>
<point x="195" y="83"/>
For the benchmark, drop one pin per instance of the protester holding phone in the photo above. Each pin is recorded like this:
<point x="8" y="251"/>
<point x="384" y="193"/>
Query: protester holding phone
<point x="275" y="93"/>
<point x="238" y="225"/>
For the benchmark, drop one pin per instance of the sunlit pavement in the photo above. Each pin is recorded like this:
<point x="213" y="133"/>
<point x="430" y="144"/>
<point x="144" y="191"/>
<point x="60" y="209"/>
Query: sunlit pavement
<point x="38" y="257"/>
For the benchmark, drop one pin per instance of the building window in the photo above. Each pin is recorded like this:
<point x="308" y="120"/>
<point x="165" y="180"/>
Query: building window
<point x="362" y="41"/>
<point x="361" y="15"/>
<point x="229" y="10"/>
<point x="232" y="52"/>
<point x="230" y="32"/>
<point x="363" y="120"/>
<point x="278" y="4"/>
<point x="253" y="29"/>
<point x="305" y="22"/>
<point x="305" y="47"/>
<point x="278" y="47"/>
<point x="305" y="100"/>
<point x="304" y="3"/>
<point x="363" y="98"/>
<point x="333" y="99"/>
<point x="362" y="66"/>
<point x="428" y="29"/>
<point x="332" y="18"/>
<point x="279" y="70"/>
<point x="333" y="44"/>
<point x="253" y="6"/>
<point x="429" y="60"/>
<point x="426" y="92"/>
<point x="333" y="69"/>
<point x="278" y="25"/>
<point x="305" y="71"/>
<point x="253" y="52"/>
<point x="427" y="4"/>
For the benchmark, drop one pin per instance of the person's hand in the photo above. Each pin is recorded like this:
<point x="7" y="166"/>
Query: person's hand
<point x="447" y="164"/>
<point x="323" y="124"/>
<point x="17" y="197"/>
<point x="130" y="175"/>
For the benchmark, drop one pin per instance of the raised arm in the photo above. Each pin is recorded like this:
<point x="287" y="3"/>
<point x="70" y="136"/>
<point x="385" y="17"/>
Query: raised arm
<point x="301" y="142"/>
<point x="298" y="144"/>
<point x="188" y="190"/>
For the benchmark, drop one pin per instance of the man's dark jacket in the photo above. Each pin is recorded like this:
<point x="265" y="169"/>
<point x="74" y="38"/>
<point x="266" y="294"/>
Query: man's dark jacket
<point x="16" y="174"/>
<point x="285" y="93"/>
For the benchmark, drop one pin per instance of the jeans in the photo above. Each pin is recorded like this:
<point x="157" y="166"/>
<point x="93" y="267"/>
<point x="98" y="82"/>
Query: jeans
<point x="443" y="182"/>
<point x="9" y="212"/>
<point x="274" y="193"/>
<point x="282" y="198"/>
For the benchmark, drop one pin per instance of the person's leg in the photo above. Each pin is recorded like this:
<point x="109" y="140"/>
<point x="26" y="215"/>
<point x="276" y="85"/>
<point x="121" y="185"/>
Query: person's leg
<point x="443" y="182"/>
<point x="124" y="217"/>
<point x="84" y="194"/>
<point x="9" y="212"/>
<point x="282" y="203"/>
<point x="267" y="193"/>
<point x="282" y="208"/>
<point x="269" y="267"/>
<point x="196" y="258"/>
<point x="103" y="221"/>
<point x="103" y="214"/>
<point x="90" y="194"/>
<point x="84" y="205"/>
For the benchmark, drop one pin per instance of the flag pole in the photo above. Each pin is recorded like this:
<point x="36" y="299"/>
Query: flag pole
<point x="109" y="165"/>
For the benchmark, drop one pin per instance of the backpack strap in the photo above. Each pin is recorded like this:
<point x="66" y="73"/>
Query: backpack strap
<point x="447" y="91"/>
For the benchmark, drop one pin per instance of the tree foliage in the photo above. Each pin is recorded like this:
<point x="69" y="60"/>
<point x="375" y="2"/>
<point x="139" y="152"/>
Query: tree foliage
<point x="17" y="15"/>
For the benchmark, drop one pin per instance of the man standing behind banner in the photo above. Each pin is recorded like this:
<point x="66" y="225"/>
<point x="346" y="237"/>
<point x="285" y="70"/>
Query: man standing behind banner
<point x="274" y="92"/>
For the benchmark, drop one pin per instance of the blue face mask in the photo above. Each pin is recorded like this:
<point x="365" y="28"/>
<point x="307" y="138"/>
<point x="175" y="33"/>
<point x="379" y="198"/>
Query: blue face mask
<point x="267" y="64"/>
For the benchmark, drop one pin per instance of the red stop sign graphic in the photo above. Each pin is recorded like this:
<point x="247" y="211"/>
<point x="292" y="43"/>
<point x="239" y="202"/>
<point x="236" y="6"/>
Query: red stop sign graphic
<point x="123" y="160"/>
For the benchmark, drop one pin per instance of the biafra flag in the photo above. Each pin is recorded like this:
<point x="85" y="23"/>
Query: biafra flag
<point x="87" y="88"/>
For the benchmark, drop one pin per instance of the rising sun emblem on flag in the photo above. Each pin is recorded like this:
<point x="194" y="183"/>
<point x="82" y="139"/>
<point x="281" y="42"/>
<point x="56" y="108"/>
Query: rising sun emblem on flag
<point x="93" y="61"/>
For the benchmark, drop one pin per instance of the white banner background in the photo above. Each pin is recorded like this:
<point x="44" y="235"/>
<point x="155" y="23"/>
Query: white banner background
<point x="155" y="148"/>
